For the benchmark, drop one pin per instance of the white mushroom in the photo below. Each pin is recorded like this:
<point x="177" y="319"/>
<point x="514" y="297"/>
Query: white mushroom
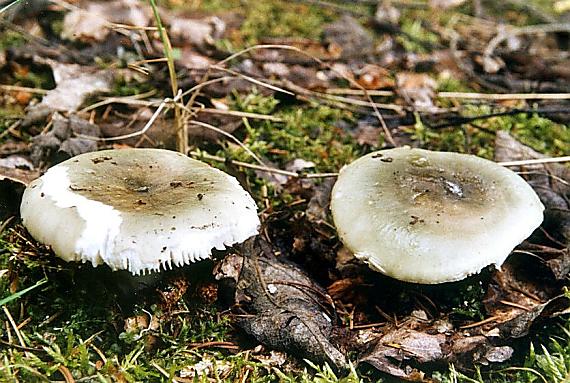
<point x="432" y="217"/>
<point x="137" y="209"/>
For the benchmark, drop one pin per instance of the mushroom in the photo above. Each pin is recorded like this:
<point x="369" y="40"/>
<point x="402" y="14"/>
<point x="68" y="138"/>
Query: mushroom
<point x="137" y="209"/>
<point x="432" y="217"/>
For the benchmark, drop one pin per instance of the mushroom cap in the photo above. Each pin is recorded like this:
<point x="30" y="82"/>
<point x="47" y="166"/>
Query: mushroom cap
<point x="432" y="217"/>
<point x="137" y="209"/>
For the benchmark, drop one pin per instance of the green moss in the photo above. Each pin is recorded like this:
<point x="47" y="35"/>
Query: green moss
<point x="87" y="315"/>
<point x="10" y="39"/>
<point x="308" y="133"/>
<point x="540" y="133"/>
<point x="416" y="37"/>
<point x="452" y="139"/>
<point x="478" y="137"/>
<point x="448" y="83"/>
<point x="123" y="88"/>
<point x="34" y="78"/>
<point x="8" y="115"/>
<point x="272" y="18"/>
<point x="215" y="5"/>
<point x="467" y="300"/>
<point x="77" y="319"/>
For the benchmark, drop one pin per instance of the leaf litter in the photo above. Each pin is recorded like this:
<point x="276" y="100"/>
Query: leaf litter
<point x="281" y="306"/>
<point x="67" y="138"/>
<point x="298" y="290"/>
<point x="74" y="83"/>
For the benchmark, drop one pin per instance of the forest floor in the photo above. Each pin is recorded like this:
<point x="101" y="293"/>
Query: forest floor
<point x="281" y="95"/>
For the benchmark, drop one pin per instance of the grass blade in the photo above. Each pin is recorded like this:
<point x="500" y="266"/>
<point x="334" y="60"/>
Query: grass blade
<point x="182" y="130"/>
<point x="9" y="6"/>
<point x="18" y="294"/>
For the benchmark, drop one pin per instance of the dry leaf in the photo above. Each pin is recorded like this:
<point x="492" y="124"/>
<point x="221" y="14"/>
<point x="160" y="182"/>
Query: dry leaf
<point x="550" y="181"/>
<point x="374" y="77"/>
<point x="92" y="22"/>
<point x="386" y="13"/>
<point x="400" y="350"/>
<point x="418" y="89"/>
<point x="276" y="69"/>
<point x="366" y="134"/>
<point x="445" y="4"/>
<point x="197" y="32"/>
<point x="350" y="36"/>
<point x="16" y="161"/>
<point x="305" y="50"/>
<point x="207" y="367"/>
<point x="62" y="142"/>
<point x="74" y="83"/>
<point x="286" y="310"/>
<point x="192" y="60"/>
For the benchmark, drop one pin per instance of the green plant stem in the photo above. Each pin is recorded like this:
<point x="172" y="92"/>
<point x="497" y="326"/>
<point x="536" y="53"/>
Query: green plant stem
<point x="9" y="6"/>
<point x="18" y="294"/>
<point x="181" y="128"/>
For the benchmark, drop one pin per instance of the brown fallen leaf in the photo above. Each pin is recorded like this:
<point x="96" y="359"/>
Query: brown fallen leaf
<point x="283" y="308"/>
<point x="386" y="13"/>
<point x="374" y="77"/>
<point x="74" y="83"/>
<point x="171" y="293"/>
<point x="521" y="281"/>
<point x="403" y="350"/>
<point x="319" y="204"/>
<point x="551" y="181"/>
<point x="552" y="184"/>
<point x="21" y="176"/>
<point x="418" y="89"/>
<point x="276" y="69"/>
<point x="367" y="134"/>
<point x="560" y="266"/>
<point x="191" y="60"/>
<point x="519" y="295"/>
<point x="92" y="21"/>
<point x="307" y="78"/>
<point x="84" y="25"/>
<point x="351" y="37"/>
<point x="13" y="147"/>
<point x="207" y="368"/>
<point x="68" y="138"/>
<point x="161" y="134"/>
<point x="393" y="352"/>
<point x="143" y="326"/>
<point x="196" y="32"/>
<point x="490" y="64"/>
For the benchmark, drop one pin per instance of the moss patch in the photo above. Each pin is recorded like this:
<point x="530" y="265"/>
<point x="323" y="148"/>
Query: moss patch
<point x="478" y="137"/>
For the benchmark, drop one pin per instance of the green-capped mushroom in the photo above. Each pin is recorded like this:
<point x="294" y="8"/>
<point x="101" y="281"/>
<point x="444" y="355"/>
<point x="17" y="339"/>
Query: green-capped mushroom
<point x="432" y="217"/>
<point x="137" y="209"/>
